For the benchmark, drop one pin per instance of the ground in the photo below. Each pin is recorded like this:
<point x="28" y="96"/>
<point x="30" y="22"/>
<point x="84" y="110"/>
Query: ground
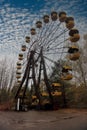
<point x="64" y="119"/>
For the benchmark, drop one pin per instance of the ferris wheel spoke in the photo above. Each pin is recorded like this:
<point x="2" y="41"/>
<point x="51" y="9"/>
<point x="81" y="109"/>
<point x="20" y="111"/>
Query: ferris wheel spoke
<point x="56" y="46"/>
<point x="56" y="49"/>
<point x="59" y="43"/>
<point x="51" y="34"/>
<point x="49" y="59"/>
<point x="55" y="53"/>
<point x="47" y="28"/>
<point x="51" y="41"/>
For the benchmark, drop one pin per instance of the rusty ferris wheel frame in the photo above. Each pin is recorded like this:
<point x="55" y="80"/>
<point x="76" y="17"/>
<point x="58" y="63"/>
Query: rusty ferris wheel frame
<point x="48" y="44"/>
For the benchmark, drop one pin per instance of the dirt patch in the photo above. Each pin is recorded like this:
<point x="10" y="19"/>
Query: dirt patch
<point x="39" y="120"/>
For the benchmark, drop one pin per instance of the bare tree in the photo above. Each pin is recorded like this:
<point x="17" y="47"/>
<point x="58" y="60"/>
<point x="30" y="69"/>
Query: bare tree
<point x="7" y="78"/>
<point x="80" y="67"/>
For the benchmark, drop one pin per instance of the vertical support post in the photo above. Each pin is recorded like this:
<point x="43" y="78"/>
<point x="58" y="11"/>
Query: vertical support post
<point x="18" y="104"/>
<point x="36" y="85"/>
<point x="64" y="96"/>
<point x="46" y="79"/>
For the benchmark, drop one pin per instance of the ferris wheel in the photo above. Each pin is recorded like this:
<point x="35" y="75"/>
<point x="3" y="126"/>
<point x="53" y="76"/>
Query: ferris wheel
<point x="52" y="39"/>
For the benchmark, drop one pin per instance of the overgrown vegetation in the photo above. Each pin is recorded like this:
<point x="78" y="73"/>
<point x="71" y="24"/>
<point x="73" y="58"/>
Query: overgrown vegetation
<point x="75" y="91"/>
<point x="76" y="97"/>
